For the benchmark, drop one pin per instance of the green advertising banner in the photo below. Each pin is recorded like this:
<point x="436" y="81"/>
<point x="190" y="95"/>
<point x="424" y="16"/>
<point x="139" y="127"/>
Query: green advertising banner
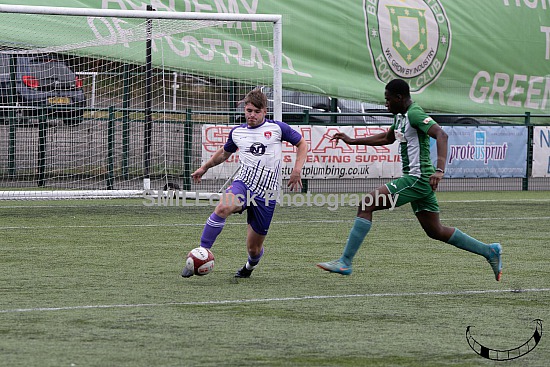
<point x="467" y="56"/>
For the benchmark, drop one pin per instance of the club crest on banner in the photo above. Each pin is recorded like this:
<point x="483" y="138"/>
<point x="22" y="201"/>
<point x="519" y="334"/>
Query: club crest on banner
<point x="408" y="40"/>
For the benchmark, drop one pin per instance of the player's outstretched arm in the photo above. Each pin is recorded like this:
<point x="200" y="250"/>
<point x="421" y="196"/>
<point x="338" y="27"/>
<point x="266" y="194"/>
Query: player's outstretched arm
<point x="219" y="157"/>
<point x="384" y="138"/>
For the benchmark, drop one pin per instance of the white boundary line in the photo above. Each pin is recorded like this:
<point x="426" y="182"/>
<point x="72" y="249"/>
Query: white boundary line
<point x="274" y="222"/>
<point x="268" y="300"/>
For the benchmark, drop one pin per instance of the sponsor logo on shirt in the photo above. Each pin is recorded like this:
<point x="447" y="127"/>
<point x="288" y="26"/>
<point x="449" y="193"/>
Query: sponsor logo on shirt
<point x="257" y="149"/>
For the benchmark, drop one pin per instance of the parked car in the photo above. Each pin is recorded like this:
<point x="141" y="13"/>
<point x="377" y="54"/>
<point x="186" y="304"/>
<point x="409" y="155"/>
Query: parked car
<point x="43" y="83"/>
<point x="294" y="103"/>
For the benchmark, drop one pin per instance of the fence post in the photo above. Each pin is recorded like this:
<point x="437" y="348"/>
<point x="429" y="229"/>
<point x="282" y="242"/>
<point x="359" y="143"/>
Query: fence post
<point x="334" y="108"/>
<point x="42" y="125"/>
<point x="110" y="148"/>
<point x="12" y="115"/>
<point x="306" y="117"/>
<point x="125" y="121"/>
<point x="187" y="144"/>
<point x="305" y="182"/>
<point x="305" y="185"/>
<point x="529" y="163"/>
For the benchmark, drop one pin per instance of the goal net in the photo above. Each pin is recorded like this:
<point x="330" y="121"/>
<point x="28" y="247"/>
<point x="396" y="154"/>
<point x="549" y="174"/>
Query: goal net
<point x="110" y="103"/>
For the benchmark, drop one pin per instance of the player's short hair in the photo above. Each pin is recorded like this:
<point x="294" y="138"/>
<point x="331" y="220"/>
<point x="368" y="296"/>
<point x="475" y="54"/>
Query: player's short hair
<point x="398" y="86"/>
<point x="257" y="98"/>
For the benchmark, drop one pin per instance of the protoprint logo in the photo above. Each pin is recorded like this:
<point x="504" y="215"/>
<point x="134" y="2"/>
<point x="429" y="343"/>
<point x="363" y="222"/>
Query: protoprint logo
<point x="408" y="40"/>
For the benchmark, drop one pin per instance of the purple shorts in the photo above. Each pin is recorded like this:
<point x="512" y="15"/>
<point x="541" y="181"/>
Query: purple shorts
<point x="258" y="214"/>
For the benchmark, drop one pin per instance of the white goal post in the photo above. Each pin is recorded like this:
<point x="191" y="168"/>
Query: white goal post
<point x="159" y="81"/>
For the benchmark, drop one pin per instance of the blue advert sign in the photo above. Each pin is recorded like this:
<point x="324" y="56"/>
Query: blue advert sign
<point x="485" y="151"/>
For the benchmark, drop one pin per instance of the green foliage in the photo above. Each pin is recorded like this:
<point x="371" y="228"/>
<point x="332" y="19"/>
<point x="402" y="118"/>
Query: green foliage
<point x="96" y="283"/>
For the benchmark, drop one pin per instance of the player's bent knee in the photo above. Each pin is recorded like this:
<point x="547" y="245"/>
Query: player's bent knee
<point x="365" y="211"/>
<point x="224" y="210"/>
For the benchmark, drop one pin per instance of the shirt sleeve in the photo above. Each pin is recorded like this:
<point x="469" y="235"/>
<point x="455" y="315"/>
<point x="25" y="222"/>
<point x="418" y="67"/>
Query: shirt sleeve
<point x="288" y="133"/>
<point x="420" y="120"/>
<point x="230" y="145"/>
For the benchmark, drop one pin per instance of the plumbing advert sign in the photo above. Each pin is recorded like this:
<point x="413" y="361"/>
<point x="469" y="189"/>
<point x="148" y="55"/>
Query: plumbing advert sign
<point x="325" y="158"/>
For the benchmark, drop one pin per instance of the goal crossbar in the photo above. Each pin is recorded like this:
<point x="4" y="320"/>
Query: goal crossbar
<point x="52" y="10"/>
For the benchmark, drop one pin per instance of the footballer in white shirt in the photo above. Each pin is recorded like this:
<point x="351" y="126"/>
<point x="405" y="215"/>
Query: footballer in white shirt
<point x="259" y="143"/>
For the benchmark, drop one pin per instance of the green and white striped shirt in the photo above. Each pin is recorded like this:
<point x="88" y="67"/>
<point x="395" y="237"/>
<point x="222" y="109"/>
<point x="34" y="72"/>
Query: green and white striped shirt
<point x="411" y="130"/>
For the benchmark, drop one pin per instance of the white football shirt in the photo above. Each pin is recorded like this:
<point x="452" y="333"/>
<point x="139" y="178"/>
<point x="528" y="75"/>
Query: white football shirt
<point x="260" y="153"/>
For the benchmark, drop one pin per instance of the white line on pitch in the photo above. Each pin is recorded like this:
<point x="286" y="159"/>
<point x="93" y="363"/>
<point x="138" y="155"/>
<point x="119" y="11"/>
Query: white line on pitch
<point x="274" y="222"/>
<point x="268" y="300"/>
<point x="493" y="200"/>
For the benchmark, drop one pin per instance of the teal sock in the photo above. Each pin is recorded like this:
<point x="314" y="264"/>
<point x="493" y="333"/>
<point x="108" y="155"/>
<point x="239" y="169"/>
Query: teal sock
<point x="465" y="242"/>
<point x="356" y="236"/>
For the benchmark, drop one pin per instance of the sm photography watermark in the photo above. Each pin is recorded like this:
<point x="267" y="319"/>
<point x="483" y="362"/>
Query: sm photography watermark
<point x="331" y="201"/>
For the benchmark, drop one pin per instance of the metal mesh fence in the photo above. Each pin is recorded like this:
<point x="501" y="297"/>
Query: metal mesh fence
<point x="102" y="155"/>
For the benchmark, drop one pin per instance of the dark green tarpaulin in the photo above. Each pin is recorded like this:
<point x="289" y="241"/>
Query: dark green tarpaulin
<point x="467" y="56"/>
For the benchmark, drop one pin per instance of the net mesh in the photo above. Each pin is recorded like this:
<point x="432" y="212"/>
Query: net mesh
<point x="84" y="108"/>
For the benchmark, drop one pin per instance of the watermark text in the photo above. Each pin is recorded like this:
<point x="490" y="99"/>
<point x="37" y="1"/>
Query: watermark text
<point x="332" y="201"/>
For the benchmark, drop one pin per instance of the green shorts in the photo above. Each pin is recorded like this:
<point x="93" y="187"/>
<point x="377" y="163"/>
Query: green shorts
<point x="414" y="190"/>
